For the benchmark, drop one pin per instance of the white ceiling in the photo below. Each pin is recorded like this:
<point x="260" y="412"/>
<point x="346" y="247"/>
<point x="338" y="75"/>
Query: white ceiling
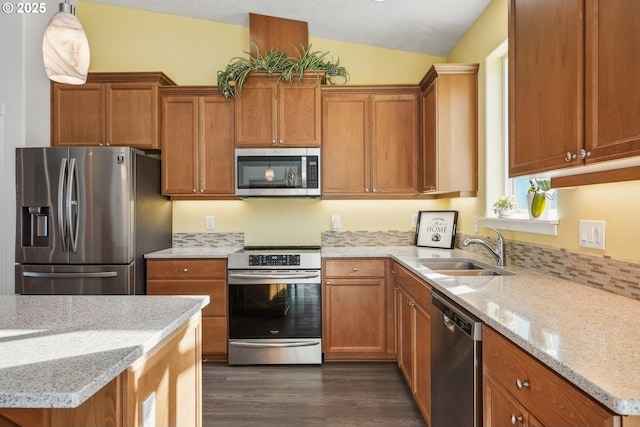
<point x="431" y="27"/>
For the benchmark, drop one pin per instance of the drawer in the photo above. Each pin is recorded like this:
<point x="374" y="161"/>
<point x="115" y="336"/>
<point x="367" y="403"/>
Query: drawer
<point x="186" y="268"/>
<point x="548" y="396"/>
<point x="216" y="289"/>
<point x="355" y="267"/>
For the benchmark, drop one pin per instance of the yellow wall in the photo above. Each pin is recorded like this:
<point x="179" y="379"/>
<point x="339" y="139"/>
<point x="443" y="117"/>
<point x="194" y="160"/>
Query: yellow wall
<point x="191" y="51"/>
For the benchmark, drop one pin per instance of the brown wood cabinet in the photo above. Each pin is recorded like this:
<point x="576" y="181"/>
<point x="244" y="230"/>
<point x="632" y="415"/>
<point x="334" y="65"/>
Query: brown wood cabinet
<point x="110" y="109"/>
<point x="370" y="141"/>
<point x="516" y="384"/>
<point x="270" y="114"/>
<point x="196" y="277"/>
<point x="450" y="130"/>
<point x="357" y="310"/>
<point x="572" y="66"/>
<point x="413" y="336"/>
<point x="197" y="142"/>
<point x="172" y="371"/>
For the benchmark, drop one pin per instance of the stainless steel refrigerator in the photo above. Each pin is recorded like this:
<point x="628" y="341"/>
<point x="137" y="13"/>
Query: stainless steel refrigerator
<point x="85" y="218"/>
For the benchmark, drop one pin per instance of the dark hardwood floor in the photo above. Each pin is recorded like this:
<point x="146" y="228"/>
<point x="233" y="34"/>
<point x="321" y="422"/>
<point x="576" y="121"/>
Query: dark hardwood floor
<point x="334" y="394"/>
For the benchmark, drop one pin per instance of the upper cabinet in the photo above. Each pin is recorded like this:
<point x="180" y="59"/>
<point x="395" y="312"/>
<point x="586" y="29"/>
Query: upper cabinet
<point x="370" y="141"/>
<point x="450" y="130"/>
<point x="282" y="114"/>
<point x="573" y="86"/>
<point x="110" y="109"/>
<point x="197" y="142"/>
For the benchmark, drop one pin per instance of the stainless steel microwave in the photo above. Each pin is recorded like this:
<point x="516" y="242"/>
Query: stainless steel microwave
<point x="277" y="172"/>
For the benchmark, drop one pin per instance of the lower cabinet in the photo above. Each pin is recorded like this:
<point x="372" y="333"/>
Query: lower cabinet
<point x="519" y="390"/>
<point x="413" y="336"/>
<point x="357" y="310"/>
<point x="196" y="277"/>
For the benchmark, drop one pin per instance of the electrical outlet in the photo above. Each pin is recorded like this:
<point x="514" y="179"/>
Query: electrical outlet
<point x="591" y="234"/>
<point x="475" y="224"/>
<point x="335" y="222"/>
<point x="209" y="222"/>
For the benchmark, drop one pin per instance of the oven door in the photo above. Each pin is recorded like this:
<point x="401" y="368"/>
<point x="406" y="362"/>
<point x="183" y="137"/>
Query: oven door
<point x="275" y="321"/>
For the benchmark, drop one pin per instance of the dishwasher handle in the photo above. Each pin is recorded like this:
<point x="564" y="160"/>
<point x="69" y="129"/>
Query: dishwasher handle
<point x="456" y="319"/>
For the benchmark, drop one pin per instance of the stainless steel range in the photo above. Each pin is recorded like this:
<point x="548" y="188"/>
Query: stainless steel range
<point x="275" y="306"/>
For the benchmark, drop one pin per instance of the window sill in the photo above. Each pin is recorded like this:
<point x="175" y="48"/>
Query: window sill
<point x="523" y="223"/>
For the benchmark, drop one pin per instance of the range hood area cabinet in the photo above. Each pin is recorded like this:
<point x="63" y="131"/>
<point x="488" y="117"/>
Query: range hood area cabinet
<point x="120" y="109"/>
<point x="279" y="114"/>
<point x="573" y="83"/>
<point x="197" y="142"/>
<point x="370" y="141"/>
<point x="450" y="130"/>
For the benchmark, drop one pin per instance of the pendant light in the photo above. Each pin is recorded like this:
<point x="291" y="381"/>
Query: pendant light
<point x="65" y="48"/>
<point x="269" y="174"/>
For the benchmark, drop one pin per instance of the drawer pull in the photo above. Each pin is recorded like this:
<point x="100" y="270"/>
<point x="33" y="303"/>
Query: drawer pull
<point x="355" y="268"/>
<point x="515" y="419"/>
<point x="185" y="270"/>
<point x="522" y="384"/>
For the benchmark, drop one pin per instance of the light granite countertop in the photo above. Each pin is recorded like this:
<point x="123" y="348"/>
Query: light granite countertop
<point x="58" y="350"/>
<point x="586" y="335"/>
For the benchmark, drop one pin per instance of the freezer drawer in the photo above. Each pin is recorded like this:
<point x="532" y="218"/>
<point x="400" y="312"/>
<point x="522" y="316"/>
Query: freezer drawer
<point x="75" y="279"/>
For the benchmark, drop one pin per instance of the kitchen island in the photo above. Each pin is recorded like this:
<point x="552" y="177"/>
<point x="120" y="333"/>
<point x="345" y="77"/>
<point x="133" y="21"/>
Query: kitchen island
<point x="100" y="360"/>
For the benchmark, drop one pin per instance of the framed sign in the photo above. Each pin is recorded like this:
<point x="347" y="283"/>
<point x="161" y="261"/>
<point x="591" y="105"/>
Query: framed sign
<point x="436" y="229"/>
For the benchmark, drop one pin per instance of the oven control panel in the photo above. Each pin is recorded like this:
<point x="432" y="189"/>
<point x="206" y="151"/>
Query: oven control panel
<point x="274" y="260"/>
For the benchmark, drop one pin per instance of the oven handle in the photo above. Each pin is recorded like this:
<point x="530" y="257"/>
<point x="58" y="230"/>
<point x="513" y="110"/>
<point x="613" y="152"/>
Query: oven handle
<point x="274" y="344"/>
<point x="249" y="276"/>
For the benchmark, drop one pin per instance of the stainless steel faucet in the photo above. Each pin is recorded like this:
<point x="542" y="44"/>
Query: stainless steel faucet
<point x="498" y="253"/>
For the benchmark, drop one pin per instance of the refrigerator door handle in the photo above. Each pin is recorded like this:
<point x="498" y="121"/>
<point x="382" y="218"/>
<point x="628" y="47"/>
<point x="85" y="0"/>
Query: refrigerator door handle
<point x="70" y="204"/>
<point x="69" y="275"/>
<point x="61" y="214"/>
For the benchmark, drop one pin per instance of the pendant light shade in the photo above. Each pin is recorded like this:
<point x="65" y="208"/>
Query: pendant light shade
<point x="65" y="48"/>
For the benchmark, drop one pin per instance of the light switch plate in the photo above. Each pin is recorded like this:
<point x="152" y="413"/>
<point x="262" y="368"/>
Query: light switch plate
<point x="591" y="234"/>
<point x="209" y="222"/>
<point x="335" y="222"/>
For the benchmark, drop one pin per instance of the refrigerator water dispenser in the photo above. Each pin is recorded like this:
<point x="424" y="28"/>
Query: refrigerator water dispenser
<point x="36" y="226"/>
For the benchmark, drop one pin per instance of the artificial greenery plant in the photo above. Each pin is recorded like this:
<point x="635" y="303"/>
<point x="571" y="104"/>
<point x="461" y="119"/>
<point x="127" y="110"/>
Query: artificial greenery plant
<point x="275" y="62"/>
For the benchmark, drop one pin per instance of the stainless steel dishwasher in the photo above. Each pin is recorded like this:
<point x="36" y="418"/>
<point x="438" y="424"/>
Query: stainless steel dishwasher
<point x="456" y="363"/>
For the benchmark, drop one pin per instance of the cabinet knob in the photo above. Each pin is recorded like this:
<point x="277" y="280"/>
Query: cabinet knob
<point x="366" y="190"/>
<point x="522" y="384"/>
<point x="584" y="153"/>
<point x="202" y="190"/>
<point x="410" y="304"/>
<point x="185" y="270"/>
<point x="515" y="419"/>
<point x="570" y="156"/>
<point x="328" y="283"/>
<point x="273" y="141"/>
<point x="355" y="269"/>
<point x="374" y="190"/>
<point x="194" y="190"/>
<point x="281" y="142"/>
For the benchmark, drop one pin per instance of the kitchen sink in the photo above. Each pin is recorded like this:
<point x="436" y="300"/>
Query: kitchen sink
<point x="463" y="268"/>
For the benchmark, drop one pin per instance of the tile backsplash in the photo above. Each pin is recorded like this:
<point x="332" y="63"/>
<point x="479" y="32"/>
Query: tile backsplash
<point x="602" y="272"/>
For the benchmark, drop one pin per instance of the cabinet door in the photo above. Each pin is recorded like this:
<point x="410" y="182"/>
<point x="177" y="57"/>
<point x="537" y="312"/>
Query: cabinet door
<point x="77" y="114"/>
<point x="430" y="137"/>
<point x="501" y="409"/>
<point x="257" y="114"/>
<point x="345" y="144"/>
<point x="132" y="115"/>
<point x="299" y="118"/>
<point x="355" y="320"/>
<point x="216" y="152"/>
<point x="546" y="81"/>
<point x="612" y="107"/>
<point x="422" y="361"/>
<point x="394" y="144"/>
<point x="179" y="145"/>
<point x="404" y="333"/>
